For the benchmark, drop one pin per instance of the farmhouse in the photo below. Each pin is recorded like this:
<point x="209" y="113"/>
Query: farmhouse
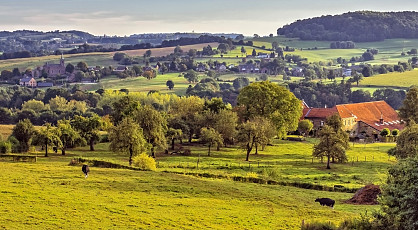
<point x="368" y="119"/>
<point x="361" y="120"/>
<point x="28" y="81"/>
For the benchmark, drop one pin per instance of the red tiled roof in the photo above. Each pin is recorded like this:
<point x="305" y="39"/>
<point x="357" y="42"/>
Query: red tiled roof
<point x="370" y="113"/>
<point x="318" y="112"/>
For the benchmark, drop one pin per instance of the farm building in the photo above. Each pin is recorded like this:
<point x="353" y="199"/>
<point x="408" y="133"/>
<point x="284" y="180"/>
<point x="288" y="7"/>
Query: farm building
<point x="361" y="120"/>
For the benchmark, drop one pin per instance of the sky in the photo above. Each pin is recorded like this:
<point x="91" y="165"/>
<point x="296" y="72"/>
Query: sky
<point x="126" y="17"/>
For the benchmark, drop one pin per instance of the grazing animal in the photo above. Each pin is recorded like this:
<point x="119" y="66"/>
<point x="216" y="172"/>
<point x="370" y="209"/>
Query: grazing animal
<point x="85" y="170"/>
<point x="55" y="149"/>
<point x="326" y="201"/>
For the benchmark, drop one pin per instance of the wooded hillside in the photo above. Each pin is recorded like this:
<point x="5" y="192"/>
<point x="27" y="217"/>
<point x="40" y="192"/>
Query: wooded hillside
<point x="360" y="26"/>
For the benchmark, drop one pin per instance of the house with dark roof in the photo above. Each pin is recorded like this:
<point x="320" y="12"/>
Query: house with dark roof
<point x="28" y="81"/>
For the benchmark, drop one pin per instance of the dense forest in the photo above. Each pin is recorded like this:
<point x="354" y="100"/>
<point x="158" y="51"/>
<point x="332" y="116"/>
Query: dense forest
<point x="360" y="26"/>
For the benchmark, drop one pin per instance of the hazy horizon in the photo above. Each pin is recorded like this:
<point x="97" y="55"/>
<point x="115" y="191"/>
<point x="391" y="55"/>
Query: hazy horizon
<point x="128" y="17"/>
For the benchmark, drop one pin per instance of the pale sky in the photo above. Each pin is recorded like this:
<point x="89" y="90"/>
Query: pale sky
<point x="126" y="17"/>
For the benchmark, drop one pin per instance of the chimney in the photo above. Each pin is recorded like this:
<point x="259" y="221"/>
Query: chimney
<point x="381" y="119"/>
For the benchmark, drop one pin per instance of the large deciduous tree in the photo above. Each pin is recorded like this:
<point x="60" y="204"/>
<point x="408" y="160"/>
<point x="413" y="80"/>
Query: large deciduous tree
<point x="88" y="127"/>
<point x="127" y="137"/>
<point x="271" y="101"/>
<point x="23" y="132"/>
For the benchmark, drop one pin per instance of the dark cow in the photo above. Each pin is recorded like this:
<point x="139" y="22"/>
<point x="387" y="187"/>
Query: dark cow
<point x="326" y="201"/>
<point x="85" y="170"/>
<point x="55" y="149"/>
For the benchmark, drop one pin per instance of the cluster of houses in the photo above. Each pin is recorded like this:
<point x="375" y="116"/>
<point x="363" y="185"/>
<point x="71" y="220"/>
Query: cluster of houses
<point x="360" y="120"/>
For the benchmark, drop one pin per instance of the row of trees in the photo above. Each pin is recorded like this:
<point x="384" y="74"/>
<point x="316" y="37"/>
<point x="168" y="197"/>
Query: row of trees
<point x="139" y="124"/>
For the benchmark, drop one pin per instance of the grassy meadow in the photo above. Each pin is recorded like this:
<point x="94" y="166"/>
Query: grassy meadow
<point x="405" y="79"/>
<point x="51" y="194"/>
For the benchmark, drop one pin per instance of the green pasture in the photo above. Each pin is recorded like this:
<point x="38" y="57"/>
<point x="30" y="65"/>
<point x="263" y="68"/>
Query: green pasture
<point x="237" y="52"/>
<point x="50" y="194"/>
<point x="286" y="161"/>
<point x="405" y="79"/>
<point x="141" y="84"/>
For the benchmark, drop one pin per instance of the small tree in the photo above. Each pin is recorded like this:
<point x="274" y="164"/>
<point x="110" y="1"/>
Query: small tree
<point x="395" y="132"/>
<point x="47" y="136"/>
<point x="210" y="137"/>
<point x="170" y="84"/>
<point x="330" y="145"/>
<point x="257" y="131"/>
<point x="304" y="127"/>
<point x="385" y="132"/>
<point x="127" y="137"/>
<point x="191" y="76"/>
<point x="69" y="68"/>
<point x="23" y="132"/>
<point x="173" y="134"/>
<point x="407" y="142"/>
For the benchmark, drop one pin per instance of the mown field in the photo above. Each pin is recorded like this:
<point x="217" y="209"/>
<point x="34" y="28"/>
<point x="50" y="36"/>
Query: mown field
<point x="405" y="79"/>
<point x="92" y="59"/>
<point x="141" y="84"/>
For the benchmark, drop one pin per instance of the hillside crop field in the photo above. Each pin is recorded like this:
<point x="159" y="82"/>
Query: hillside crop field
<point x="405" y="79"/>
<point x="56" y="195"/>
<point x="141" y="84"/>
<point x="92" y="59"/>
<point x="157" y="52"/>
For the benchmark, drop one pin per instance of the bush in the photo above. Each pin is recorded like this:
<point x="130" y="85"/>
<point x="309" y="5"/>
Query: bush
<point x="145" y="162"/>
<point x="15" y="144"/>
<point x="385" y="132"/>
<point x="104" y="138"/>
<point x="319" y="226"/>
<point x="5" y="147"/>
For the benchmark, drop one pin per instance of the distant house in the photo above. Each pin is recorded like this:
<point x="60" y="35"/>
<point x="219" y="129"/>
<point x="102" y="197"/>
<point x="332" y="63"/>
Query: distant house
<point x="120" y="69"/>
<point x="297" y="72"/>
<point x="221" y="68"/>
<point x="263" y="55"/>
<point x="201" y="67"/>
<point x="45" y="84"/>
<point x="347" y="72"/>
<point x="28" y="81"/>
<point x="248" y="68"/>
